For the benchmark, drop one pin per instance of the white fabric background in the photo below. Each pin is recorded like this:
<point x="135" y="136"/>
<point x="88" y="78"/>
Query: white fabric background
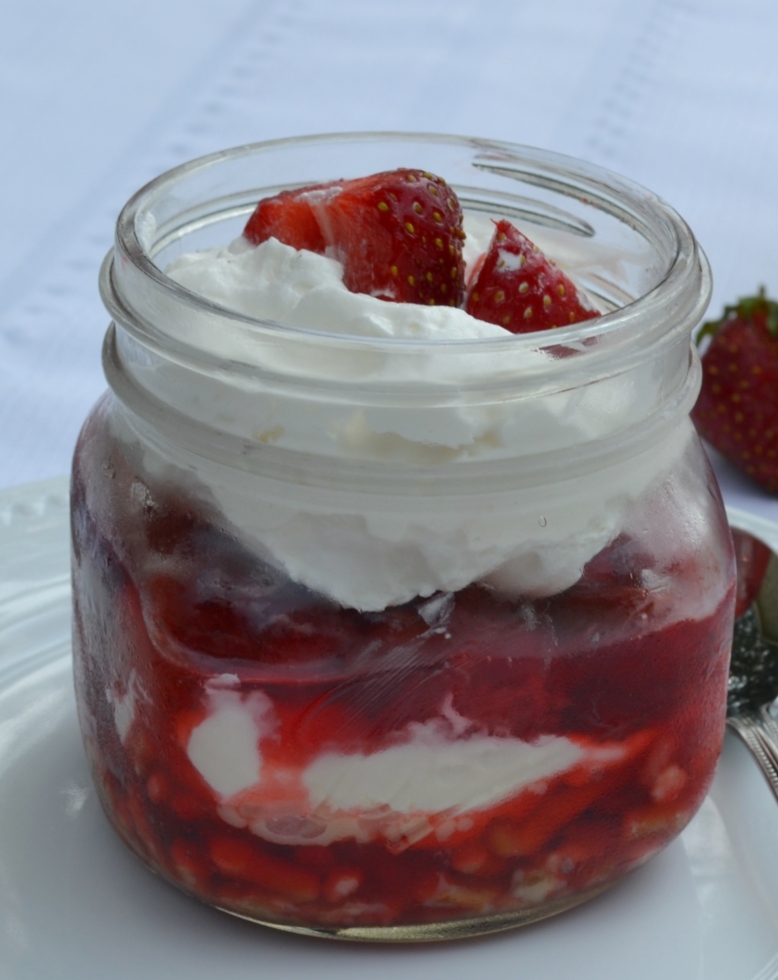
<point x="96" y="99"/>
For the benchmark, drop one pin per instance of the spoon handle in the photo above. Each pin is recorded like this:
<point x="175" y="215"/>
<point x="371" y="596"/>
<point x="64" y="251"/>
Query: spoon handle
<point x="758" y="731"/>
<point x="770" y="729"/>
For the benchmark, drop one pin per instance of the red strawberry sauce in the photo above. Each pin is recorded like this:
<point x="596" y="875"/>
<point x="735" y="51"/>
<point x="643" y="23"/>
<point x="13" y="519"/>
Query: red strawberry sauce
<point x="641" y="694"/>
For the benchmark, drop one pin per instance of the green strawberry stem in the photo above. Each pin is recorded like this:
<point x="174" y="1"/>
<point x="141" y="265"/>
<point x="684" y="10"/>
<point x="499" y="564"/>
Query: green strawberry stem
<point x="747" y="309"/>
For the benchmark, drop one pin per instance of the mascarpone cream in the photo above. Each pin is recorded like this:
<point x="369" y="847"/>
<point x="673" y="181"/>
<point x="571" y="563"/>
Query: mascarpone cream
<point x="429" y="779"/>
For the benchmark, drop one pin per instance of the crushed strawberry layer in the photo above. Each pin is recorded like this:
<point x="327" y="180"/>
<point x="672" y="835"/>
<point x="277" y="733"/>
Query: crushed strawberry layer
<point x="459" y="756"/>
<point x="167" y="645"/>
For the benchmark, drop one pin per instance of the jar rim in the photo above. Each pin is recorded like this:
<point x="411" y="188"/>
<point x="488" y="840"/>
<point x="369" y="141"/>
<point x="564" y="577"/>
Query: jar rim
<point x="269" y="397"/>
<point x="674" y="305"/>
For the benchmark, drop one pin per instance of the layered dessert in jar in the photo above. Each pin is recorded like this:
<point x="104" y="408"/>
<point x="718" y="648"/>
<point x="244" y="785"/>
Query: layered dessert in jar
<point x="400" y="612"/>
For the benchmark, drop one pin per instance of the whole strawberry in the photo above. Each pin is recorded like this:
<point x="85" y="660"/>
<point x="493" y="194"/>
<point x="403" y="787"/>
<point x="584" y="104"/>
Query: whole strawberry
<point x="398" y="233"/>
<point x="737" y="409"/>
<point x="518" y="288"/>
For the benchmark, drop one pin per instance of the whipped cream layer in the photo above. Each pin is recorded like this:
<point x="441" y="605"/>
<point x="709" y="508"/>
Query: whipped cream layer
<point x="272" y="281"/>
<point x="431" y="779"/>
<point x="370" y="550"/>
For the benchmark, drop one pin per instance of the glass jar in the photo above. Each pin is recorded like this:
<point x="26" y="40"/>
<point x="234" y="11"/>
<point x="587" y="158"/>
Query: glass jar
<point x="399" y="639"/>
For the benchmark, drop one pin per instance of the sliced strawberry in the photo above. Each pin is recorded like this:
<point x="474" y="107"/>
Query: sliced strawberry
<point x="634" y="682"/>
<point x="519" y="289"/>
<point x="290" y="217"/>
<point x="321" y="633"/>
<point x="398" y="234"/>
<point x="610" y="600"/>
<point x="217" y="627"/>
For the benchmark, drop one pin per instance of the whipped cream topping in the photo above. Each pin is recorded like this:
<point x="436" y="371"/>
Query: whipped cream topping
<point x="370" y="550"/>
<point x="272" y="281"/>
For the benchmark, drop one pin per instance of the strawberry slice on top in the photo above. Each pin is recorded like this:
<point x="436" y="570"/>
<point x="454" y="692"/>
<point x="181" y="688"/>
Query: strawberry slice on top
<point x="518" y="288"/>
<point x="398" y="234"/>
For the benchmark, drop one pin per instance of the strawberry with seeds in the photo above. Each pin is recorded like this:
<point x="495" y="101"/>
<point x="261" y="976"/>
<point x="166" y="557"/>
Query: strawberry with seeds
<point x="398" y="233"/>
<point x="737" y="409"/>
<point x="518" y="288"/>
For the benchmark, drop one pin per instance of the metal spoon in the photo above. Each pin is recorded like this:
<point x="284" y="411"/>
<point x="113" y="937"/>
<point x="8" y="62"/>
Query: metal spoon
<point x="752" y="703"/>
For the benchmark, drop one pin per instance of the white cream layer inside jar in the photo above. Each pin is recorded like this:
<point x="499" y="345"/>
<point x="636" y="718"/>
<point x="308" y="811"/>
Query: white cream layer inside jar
<point x="414" y="459"/>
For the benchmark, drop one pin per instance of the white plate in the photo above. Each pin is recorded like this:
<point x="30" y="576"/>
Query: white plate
<point x="75" y="905"/>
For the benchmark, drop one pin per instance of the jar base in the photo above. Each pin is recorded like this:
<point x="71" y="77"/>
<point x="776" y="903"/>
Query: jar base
<point x="427" y="932"/>
<point x="431" y="932"/>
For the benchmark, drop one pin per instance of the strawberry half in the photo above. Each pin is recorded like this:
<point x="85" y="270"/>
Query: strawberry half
<point x="737" y="409"/>
<point x="518" y="288"/>
<point x="398" y="234"/>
